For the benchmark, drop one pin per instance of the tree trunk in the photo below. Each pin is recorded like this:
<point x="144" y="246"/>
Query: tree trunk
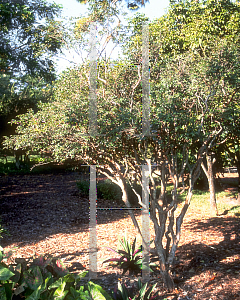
<point x="162" y="196"/>
<point x="168" y="281"/>
<point x="209" y="173"/>
<point x="164" y="270"/>
<point x="238" y="169"/>
<point x="213" y="203"/>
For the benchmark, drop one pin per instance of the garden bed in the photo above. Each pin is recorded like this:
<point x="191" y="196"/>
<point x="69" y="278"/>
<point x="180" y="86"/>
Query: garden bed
<point x="45" y="214"/>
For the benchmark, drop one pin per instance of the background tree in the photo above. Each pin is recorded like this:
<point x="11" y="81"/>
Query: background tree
<point x="29" y="37"/>
<point x="131" y="4"/>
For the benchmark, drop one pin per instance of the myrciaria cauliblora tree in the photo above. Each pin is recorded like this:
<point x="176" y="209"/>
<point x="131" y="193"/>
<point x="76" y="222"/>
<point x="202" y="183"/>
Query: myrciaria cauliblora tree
<point x="191" y="95"/>
<point x="197" y="27"/>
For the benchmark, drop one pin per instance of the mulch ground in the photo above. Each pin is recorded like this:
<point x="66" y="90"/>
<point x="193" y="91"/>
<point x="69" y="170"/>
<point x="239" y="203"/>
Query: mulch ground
<point x="46" y="215"/>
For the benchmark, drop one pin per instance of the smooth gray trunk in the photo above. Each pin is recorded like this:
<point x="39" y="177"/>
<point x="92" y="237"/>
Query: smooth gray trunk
<point x="238" y="169"/>
<point x="210" y="176"/>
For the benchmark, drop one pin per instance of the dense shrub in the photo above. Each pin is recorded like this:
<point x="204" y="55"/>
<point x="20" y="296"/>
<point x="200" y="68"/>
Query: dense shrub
<point x="108" y="190"/>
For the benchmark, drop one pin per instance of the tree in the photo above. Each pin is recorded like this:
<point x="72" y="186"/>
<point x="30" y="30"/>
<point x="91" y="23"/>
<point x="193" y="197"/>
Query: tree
<point x="196" y="27"/>
<point x="186" y="122"/>
<point x="231" y="146"/>
<point x="183" y="136"/>
<point x="131" y="4"/>
<point x="29" y="37"/>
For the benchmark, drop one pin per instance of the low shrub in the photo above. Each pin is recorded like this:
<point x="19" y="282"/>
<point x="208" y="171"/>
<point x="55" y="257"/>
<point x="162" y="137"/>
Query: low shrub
<point x="110" y="191"/>
<point x="11" y="169"/>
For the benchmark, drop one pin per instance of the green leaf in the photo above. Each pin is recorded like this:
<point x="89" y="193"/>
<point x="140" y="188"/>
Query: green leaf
<point x="5" y="273"/>
<point x="60" y="294"/>
<point x="97" y="292"/>
<point x="143" y="291"/>
<point x="9" y="290"/>
<point x="79" y="294"/>
<point x="60" y="281"/>
<point x="3" y="295"/>
<point x="33" y="277"/>
<point x="36" y="294"/>
<point x="123" y="290"/>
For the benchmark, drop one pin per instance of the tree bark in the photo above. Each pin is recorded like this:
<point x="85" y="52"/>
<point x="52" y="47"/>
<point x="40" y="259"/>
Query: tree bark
<point x="209" y="173"/>
<point x="238" y="169"/>
<point x="168" y="281"/>
<point x="164" y="268"/>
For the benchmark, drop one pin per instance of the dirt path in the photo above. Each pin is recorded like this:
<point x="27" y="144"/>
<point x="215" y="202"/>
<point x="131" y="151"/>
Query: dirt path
<point x="45" y="214"/>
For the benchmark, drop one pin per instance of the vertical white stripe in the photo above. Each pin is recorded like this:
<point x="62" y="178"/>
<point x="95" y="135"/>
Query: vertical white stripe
<point x="93" y="83"/>
<point x="92" y="224"/>
<point x="145" y="81"/>
<point x="145" y="223"/>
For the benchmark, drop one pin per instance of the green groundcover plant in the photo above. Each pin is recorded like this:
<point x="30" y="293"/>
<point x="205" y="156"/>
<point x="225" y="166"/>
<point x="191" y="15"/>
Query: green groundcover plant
<point x="46" y="278"/>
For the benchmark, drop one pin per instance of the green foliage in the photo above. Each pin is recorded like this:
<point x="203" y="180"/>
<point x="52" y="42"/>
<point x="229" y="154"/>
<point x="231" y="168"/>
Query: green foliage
<point x="45" y="278"/>
<point x="30" y="277"/>
<point x="105" y="190"/>
<point x="124" y="293"/>
<point x="108" y="190"/>
<point x="19" y="94"/>
<point x="130" y="259"/>
<point x="11" y="169"/>
<point x="25" y="41"/>
<point x="29" y="37"/>
<point x="2" y="230"/>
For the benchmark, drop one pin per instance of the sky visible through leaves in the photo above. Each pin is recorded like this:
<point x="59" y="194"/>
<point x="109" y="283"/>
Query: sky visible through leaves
<point x="72" y="8"/>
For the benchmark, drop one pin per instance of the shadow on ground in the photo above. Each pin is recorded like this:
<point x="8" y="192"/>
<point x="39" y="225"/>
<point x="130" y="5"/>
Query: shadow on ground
<point x="219" y="260"/>
<point x="40" y="206"/>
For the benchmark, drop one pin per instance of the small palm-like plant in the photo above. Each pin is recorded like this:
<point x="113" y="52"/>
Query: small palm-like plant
<point x="130" y="259"/>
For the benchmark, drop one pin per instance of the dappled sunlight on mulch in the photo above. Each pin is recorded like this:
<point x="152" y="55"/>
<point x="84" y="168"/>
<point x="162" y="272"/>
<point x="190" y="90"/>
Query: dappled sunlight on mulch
<point x="45" y="214"/>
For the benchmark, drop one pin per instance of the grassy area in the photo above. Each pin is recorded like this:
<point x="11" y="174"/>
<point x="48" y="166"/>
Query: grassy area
<point x="200" y="201"/>
<point x="10" y="168"/>
<point x="225" y="202"/>
<point x="11" y="159"/>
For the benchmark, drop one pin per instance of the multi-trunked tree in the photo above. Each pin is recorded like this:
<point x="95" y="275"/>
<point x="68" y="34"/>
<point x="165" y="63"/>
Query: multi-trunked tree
<point x="191" y="93"/>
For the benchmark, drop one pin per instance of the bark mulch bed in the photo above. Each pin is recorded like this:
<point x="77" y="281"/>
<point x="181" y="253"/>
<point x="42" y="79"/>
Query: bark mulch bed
<point x="46" y="215"/>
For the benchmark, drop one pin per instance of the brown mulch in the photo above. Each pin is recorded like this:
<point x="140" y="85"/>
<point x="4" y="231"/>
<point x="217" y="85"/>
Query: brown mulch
<point x="45" y="214"/>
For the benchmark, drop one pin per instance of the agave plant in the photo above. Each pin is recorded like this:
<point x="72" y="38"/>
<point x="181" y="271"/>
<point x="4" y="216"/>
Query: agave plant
<point x="130" y="259"/>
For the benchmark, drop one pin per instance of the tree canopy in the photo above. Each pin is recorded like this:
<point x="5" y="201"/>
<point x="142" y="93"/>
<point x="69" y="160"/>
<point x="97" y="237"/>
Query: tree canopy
<point x="131" y="4"/>
<point x="29" y="37"/>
